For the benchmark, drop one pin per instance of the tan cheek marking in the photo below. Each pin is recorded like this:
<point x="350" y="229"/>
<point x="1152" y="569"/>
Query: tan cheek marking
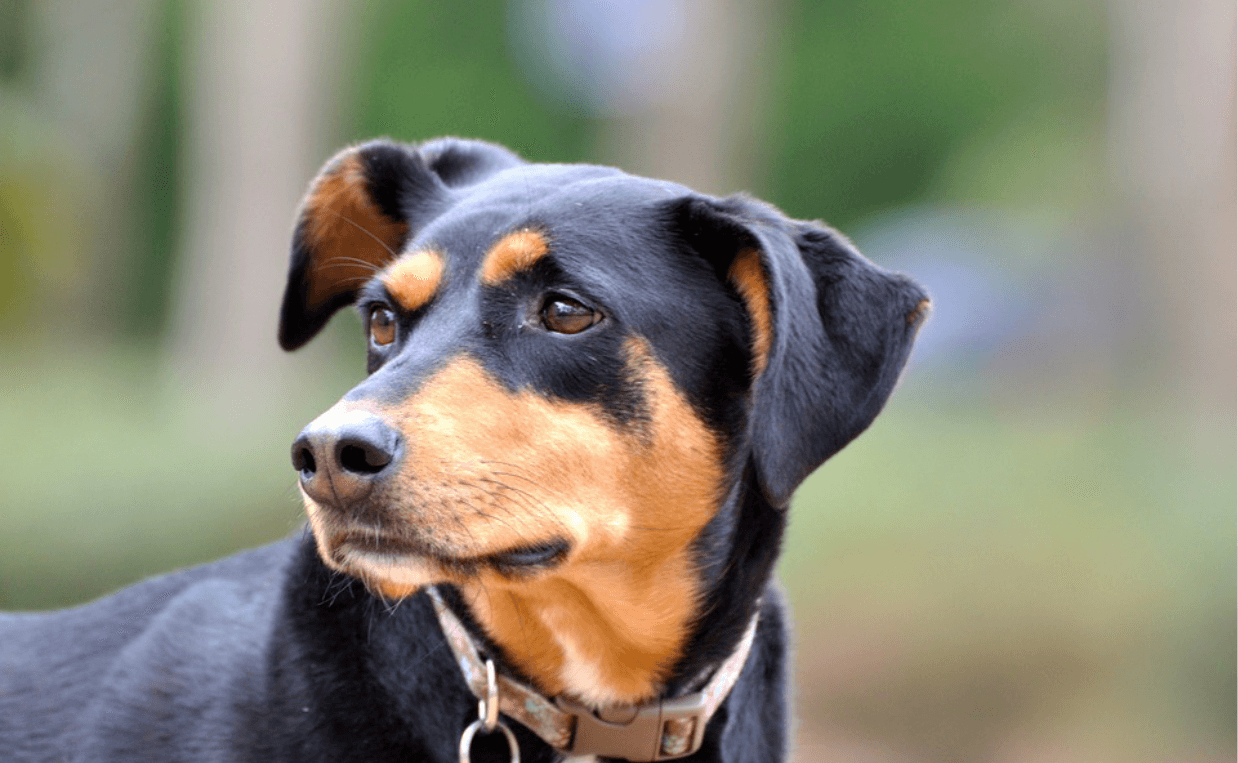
<point x="347" y="235"/>
<point x="748" y="276"/>
<point x="414" y="278"/>
<point x="483" y="451"/>
<point x="511" y="254"/>
<point x="609" y="623"/>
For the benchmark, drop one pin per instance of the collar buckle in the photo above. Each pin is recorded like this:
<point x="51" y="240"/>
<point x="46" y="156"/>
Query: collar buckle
<point x="663" y="730"/>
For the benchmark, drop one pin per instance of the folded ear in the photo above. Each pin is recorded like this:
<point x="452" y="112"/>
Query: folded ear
<point x="831" y="331"/>
<point x="360" y="212"/>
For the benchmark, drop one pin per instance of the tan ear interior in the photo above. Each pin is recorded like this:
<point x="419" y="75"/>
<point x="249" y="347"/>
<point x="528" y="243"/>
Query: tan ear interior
<point x="344" y="233"/>
<point x="748" y="276"/>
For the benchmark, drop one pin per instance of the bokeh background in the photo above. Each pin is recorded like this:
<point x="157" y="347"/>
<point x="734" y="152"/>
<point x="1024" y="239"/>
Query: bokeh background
<point x="1029" y="557"/>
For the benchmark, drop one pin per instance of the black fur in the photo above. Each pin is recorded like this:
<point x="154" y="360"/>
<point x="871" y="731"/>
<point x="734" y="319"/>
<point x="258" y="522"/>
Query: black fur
<point x="268" y="656"/>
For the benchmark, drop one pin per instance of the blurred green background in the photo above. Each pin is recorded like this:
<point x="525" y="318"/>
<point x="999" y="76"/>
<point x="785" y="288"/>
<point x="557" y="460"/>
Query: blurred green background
<point x="1029" y="557"/>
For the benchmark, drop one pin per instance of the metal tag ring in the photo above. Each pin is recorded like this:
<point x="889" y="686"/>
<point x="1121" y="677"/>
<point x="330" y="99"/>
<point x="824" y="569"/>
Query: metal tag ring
<point x="488" y="708"/>
<point x="466" y="740"/>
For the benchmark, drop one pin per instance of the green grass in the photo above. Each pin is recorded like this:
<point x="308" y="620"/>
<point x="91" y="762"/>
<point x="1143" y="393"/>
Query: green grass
<point x="962" y="577"/>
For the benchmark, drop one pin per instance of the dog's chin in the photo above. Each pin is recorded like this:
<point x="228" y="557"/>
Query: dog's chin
<point x="394" y="568"/>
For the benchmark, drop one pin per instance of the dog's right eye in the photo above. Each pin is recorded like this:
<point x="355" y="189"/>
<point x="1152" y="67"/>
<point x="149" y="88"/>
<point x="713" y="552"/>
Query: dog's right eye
<point x="382" y="325"/>
<point x="564" y="315"/>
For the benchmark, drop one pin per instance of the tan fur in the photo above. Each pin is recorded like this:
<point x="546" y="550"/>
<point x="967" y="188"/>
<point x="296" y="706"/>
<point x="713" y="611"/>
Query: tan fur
<point x="921" y="309"/>
<point x="348" y="237"/>
<point x="414" y="278"/>
<point x="511" y="254"/>
<point x="607" y="624"/>
<point x="748" y="276"/>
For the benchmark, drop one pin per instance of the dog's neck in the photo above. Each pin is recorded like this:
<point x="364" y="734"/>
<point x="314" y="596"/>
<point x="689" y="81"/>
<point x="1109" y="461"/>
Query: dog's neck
<point x="738" y="549"/>
<point x="622" y="635"/>
<point x="672" y="727"/>
<point x="603" y="639"/>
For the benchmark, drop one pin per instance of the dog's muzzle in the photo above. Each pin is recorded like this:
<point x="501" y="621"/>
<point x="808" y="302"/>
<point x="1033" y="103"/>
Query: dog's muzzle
<point x="343" y="454"/>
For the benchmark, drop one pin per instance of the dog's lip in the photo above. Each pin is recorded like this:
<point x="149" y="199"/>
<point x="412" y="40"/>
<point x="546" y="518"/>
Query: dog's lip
<point x="525" y="557"/>
<point x="374" y="543"/>
<point x="544" y="554"/>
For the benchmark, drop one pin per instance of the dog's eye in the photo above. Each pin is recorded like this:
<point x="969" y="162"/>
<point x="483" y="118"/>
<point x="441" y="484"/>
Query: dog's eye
<point x="382" y="325"/>
<point x="564" y="315"/>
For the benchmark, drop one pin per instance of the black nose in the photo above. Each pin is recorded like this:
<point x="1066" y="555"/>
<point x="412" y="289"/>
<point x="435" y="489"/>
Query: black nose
<point x="341" y="455"/>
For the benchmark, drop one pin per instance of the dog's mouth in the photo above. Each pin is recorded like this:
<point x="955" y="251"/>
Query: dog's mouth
<point x="377" y="551"/>
<point x="527" y="558"/>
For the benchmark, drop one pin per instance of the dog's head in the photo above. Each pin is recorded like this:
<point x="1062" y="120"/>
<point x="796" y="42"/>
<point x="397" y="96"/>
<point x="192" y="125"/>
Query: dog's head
<point x="571" y="371"/>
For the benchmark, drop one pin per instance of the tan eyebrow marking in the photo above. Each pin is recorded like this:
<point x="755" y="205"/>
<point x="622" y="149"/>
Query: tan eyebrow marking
<point x="414" y="278"/>
<point x="511" y="254"/>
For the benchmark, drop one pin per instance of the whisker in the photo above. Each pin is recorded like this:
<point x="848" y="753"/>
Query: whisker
<point x="509" y="465"/>
<point x="351" y="279"/>
<point x="493" y="518"/>
<point x="531" y="501"/>
<point x="362" y="228"/>
<point x="348" y="262"/>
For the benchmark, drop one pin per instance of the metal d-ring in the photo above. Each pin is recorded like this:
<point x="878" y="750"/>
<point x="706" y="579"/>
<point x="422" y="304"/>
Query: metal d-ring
<point x="488" y="719"/>
<point x="488" y="708"/>
<point x="466" y="741"/>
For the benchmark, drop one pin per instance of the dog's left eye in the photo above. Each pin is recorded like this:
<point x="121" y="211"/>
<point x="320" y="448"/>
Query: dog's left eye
<point x="564" y="315"/>
<point x="382" y="325"/>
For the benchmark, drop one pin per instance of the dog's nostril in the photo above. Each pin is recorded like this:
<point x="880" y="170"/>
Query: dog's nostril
<point x="303" y="460"/>
<point x="363" y="458"/>
<point x="303" y="455"/>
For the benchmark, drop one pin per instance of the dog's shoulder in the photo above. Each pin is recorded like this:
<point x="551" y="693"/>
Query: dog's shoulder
<point x="153" y="648"/>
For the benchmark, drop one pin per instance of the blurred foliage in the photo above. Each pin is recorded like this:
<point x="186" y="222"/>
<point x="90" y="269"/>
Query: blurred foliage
<point x="160" y="180"/>
<point x="874" y="98"/>
<point x="40" y="241"/>
<point x="13" y="41"/>
<point x="433" y="69"/>
<point x="873" y="107"/>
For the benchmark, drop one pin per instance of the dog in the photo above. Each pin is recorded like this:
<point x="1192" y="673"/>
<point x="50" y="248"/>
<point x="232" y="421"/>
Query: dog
<point x="544" y="526"/>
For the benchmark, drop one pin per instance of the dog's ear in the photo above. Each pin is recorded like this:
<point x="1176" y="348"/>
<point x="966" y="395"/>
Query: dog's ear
<point x="831" y="330"/>
<point x="361" y="210"/>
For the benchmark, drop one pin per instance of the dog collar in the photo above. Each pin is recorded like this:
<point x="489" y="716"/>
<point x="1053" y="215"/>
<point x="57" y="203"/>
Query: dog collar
<point x="660" y="730"/>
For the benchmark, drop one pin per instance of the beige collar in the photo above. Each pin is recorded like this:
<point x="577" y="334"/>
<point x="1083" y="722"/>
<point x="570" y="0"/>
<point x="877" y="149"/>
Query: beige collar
<point x="660" y="730"/>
